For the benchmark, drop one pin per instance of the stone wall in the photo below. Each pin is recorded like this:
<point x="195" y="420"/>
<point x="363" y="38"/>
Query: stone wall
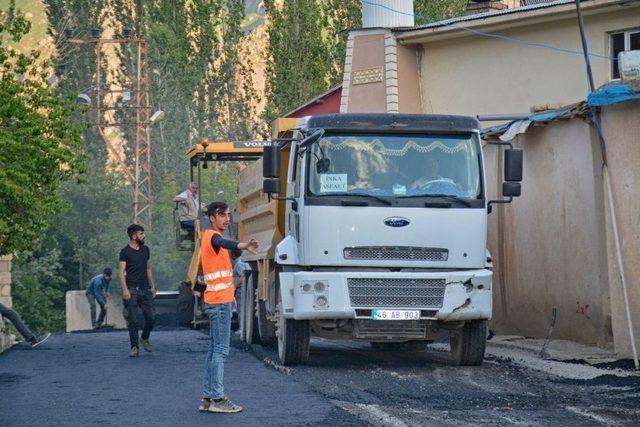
<point x="6" y="340"/>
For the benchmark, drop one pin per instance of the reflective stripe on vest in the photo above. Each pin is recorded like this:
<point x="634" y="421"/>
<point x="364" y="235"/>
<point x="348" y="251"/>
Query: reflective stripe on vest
<point x="217" y="271"/>
<point x="219" y="287"/>
<point x="216" y="275"/>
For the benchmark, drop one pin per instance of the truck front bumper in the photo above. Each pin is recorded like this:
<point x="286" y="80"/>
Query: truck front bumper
<point x="444" y="296"/>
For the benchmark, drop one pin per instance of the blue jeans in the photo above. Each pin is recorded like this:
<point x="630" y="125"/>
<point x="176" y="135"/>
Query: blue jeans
<point x="220" y="331"/>
<point x="93" y="299"/>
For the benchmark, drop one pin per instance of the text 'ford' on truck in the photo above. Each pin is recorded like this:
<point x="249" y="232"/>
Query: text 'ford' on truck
<point x="371" y="227"/>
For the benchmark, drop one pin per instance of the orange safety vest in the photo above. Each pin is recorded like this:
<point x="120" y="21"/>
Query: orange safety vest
<point x="217" y="271"/>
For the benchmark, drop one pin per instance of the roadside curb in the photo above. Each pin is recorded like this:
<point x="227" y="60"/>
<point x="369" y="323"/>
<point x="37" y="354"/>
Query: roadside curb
<point x="561" y="351"/>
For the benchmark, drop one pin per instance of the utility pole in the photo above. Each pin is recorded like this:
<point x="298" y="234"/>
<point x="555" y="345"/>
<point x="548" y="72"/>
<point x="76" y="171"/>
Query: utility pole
<point x="139" y="119"/>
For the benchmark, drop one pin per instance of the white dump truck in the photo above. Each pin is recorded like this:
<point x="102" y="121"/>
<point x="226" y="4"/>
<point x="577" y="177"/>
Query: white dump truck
<point x="371" y="227"/>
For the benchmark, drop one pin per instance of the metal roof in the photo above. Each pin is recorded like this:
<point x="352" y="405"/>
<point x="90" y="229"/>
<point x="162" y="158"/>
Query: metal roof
<point x="540" y="4"/>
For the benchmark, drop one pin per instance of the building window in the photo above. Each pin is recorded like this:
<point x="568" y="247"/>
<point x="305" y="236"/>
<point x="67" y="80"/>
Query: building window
<point x="627" y="40"/>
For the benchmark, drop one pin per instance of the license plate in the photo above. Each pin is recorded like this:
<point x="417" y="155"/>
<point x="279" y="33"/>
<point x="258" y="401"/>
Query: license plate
<point x="395" y="314"/>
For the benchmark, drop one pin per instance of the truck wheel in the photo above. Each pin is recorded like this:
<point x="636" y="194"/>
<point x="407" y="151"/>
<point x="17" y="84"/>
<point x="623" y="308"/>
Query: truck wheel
<point x="184" y="308"/>
<point x="468" y="343"/>
<point x="252" y="334"/>
<point x="266" y="328"/>
<point x="293" y="339"/>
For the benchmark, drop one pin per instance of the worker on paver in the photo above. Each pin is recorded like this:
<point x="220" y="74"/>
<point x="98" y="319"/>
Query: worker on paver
<point x="218" y="298"/>
<point x="97" y="291"/>
<point x="189" y="207"/>
<point x="30" y="337"/>
<point x="240" y="268"/>
<point x="138" y="287"/>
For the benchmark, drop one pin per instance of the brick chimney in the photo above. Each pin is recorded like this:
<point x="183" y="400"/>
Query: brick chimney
<point x="482" y="6"/>
<point x="380" y="74"/>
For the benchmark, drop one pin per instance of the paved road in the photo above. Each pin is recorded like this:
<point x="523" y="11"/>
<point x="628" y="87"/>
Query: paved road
<point x="86" y="379"/>
<point x="425" y="388"/>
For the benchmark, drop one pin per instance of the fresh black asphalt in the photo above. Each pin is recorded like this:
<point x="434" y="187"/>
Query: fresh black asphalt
<point x="86" y="379"/>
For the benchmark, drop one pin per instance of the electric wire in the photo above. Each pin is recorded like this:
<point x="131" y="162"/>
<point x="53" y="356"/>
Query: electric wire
<point x="493" y="35"/>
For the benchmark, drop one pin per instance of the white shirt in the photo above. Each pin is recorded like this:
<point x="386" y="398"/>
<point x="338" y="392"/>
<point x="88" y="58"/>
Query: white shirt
<point x="189" y="208"/>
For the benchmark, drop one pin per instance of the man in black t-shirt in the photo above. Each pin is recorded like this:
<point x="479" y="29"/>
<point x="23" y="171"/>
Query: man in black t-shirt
<point x="138" y="287"/>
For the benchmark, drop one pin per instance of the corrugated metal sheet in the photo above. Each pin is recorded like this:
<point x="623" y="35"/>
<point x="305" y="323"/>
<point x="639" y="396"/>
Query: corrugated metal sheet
<point x="541" y="4"/>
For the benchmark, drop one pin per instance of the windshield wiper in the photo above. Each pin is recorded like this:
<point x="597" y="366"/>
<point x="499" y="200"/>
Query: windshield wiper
<point x="449" y="197"/>
<point x="370" y="196"/>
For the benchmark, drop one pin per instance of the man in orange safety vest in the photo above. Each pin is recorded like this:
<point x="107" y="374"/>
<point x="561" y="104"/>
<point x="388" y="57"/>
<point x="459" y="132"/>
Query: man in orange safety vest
<point x="217" y="272"/>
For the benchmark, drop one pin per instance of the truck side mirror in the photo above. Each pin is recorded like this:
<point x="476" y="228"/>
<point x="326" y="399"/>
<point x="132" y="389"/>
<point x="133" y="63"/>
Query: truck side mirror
<point x="513" y="165"/>
<point x="271" y="161"/>
<point x="271" y="186"/>
<point x="511" y="186"/>
<point x="511" y="189"/>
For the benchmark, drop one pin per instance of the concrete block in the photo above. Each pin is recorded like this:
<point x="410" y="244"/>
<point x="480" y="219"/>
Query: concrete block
<point x="5" y="290"/>
<point x="6" y="301"/>
<point x="78" y="312"/>
<point x="5" y="278"/>
<point x="5" y="266"/>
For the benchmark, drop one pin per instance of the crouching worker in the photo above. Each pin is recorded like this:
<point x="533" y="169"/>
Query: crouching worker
<point x="218" y="304"/>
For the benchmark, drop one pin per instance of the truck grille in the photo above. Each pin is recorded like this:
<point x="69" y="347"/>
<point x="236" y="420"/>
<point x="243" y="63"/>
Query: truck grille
<point x="404" y="253"/>
<point x="397" y="293"/>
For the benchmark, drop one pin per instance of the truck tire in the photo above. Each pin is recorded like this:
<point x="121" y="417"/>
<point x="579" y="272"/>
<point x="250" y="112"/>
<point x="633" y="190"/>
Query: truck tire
<point x="185" y="305"/>
<point x="468" y="343"/>
<point x="252" y="334"/>
<point x="266" y="328"/>
<point x="293" y="337"/>
<point x="293" y="341"/>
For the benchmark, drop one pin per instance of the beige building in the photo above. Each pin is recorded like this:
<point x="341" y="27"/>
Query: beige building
<point x="553" y="247"/>
<point x="464" y="72"/>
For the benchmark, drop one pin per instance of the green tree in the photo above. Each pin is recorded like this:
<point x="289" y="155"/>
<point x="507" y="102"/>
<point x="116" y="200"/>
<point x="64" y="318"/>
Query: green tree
<point x="299" y="60"/>
<point x="39" y="142"/>
<point x="427" y="11"/>
<point x="38" y="290"/>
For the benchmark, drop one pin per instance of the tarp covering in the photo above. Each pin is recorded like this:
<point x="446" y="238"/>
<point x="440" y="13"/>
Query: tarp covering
<point x="612" y="94"/>
<point x="516" y="127"/>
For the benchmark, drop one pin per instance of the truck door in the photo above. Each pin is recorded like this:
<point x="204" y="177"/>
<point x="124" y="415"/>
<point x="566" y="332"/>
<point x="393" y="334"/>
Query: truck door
<point x="293" y="190"/>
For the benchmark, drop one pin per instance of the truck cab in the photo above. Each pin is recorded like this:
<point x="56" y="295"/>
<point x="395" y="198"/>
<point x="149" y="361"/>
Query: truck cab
<point x="385" y="219"/>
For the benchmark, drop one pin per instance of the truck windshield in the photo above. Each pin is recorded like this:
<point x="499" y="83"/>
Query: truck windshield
<point x="395" y="166"/>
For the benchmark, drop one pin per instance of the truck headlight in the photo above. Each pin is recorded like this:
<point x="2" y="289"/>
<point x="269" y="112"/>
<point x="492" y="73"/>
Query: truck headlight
<point x="321" y="301"/>
<point x="319" y="287"/>
<point x="306" y="287"/>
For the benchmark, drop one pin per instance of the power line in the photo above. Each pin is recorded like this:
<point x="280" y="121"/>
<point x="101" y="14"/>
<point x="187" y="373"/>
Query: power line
<point x="493" y="35"/>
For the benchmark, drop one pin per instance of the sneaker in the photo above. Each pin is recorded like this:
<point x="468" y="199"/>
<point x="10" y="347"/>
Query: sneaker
<point x="204" y="404"/>
<point x="39" y="339"/>
<point x="224" y="405"/>
<point x="147" y="345"/>
<point x="133" y="352"/>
